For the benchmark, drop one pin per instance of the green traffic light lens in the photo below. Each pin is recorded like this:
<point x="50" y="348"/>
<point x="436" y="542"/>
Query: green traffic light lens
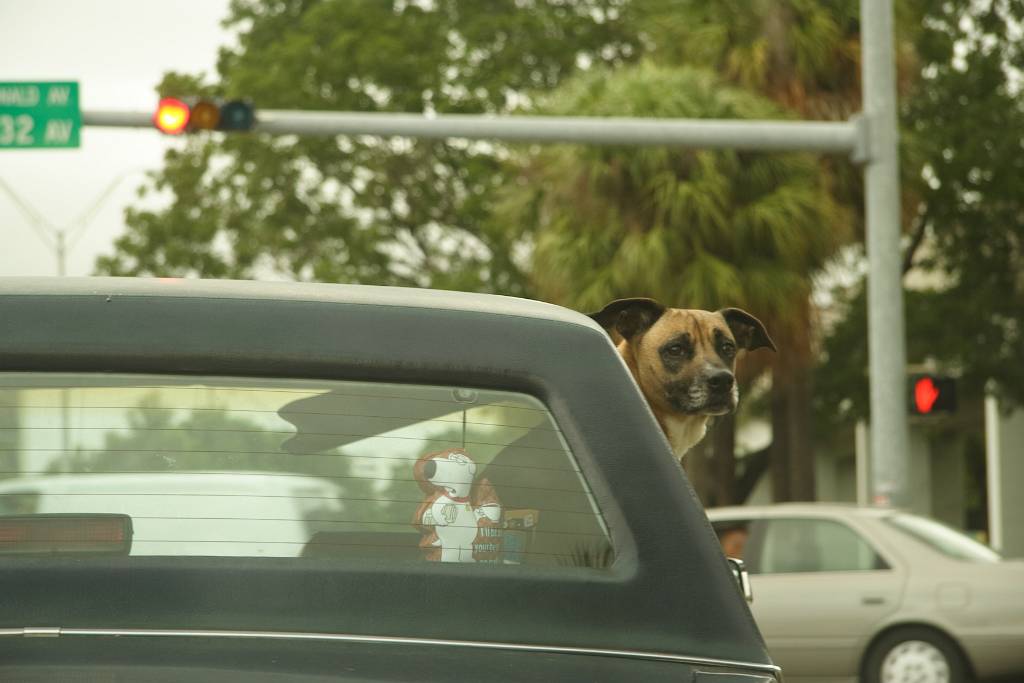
<point x="237" y="115"/>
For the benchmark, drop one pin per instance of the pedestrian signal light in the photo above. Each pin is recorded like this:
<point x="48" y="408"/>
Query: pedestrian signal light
<point x="175" y="116"/>
<point x="931" y="394"/>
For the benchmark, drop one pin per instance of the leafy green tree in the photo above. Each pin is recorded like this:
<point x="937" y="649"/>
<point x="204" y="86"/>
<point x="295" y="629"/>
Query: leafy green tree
<point x="802" y="54"/>
<point x="805" y="56"/>
<point x="969" y="119"/>
<point x="967" y="124"/>
<point x="362" y="209"/>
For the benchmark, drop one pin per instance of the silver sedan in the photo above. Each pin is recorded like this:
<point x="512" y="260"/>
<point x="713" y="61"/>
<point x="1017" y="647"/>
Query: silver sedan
<point x="846" y="593"/>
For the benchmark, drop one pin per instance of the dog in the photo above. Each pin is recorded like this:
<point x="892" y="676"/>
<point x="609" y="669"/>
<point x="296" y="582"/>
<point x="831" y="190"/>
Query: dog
<point x="683" y="360"/>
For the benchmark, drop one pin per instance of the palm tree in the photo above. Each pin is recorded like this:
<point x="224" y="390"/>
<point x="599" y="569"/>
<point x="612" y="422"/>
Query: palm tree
<point x="696" y="229"/>
<point x="804" y="55"/>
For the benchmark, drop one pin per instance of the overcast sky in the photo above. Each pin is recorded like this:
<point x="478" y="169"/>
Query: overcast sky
<point x="117" y="50"/>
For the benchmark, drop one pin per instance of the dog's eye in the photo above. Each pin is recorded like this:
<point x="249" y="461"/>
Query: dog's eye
<point x="676" y="350"/>
<point x="728" y="348"/>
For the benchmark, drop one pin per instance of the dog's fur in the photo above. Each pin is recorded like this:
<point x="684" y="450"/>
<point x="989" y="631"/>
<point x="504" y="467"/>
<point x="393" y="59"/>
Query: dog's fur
<point x="683" y="360"/>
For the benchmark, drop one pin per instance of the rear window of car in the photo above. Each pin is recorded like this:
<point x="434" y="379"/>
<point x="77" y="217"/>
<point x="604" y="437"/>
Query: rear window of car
<point x="942" y="538"/>
<point x="219" y="466"/>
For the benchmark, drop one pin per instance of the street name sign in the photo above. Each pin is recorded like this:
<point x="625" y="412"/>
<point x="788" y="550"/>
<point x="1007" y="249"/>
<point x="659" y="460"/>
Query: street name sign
<point x="34" y="115"/>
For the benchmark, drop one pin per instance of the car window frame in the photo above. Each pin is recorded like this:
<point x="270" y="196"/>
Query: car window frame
<point x="753" y="551"/>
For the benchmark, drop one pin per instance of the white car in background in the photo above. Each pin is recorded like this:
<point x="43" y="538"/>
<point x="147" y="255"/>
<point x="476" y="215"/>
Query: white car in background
<point x="243" y="514"/>
<point x="847" y="593"/>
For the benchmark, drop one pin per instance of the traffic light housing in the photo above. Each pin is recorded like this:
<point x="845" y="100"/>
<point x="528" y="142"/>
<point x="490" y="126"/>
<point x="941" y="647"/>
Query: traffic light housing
<point x="932" y="394"/>
<point x="174" y="116"/>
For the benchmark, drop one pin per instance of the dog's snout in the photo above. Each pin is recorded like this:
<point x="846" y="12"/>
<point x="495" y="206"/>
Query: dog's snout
<point x="720" y="381"/>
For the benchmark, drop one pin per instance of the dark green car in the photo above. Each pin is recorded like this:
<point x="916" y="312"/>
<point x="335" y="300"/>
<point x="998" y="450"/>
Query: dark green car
<point x="210" y="481"/>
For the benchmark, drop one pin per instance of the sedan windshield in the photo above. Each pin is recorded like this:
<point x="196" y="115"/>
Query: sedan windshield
<point x="946" y="540"/>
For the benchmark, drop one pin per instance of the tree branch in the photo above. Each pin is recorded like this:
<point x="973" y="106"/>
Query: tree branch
<point x="915" y="243"/>
<point x="755" y="465"/>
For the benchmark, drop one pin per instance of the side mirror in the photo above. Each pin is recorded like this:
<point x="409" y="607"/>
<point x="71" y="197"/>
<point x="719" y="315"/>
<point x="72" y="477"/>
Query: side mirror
<point x="742" y="576"/>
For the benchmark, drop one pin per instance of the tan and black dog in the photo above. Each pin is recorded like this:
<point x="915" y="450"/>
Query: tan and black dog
<point x="683" y="360"/>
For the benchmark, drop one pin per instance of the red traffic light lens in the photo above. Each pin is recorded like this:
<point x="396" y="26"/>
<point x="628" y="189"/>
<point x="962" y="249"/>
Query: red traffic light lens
<point x="171" y="116"/>
<point x="925" y="395"/>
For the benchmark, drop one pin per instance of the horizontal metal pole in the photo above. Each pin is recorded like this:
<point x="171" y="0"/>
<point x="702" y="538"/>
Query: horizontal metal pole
<point x="820" y="136"/>
<point x="816" y="136"/>
<point x="118" y="119"/>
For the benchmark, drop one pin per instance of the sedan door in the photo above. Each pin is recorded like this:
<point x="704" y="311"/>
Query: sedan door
<point x="820" y="590"/>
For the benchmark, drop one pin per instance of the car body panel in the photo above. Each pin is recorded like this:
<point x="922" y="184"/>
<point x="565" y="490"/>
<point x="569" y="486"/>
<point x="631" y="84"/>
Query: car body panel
<point x="822" y="632"/>
<point x="669" y="591"/>
<point x="205" y="657"/>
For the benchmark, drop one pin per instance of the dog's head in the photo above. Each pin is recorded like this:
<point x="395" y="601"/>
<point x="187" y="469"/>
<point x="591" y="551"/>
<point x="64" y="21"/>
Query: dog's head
<point x="451" y="471"/>
<point x="684" y="359"/>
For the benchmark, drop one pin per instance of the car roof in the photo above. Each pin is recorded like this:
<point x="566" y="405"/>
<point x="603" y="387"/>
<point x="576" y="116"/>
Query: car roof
<point x="406" y="297"/>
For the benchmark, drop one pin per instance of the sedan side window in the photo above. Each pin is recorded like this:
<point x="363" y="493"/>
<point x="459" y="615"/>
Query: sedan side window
<point x="815" y="545"/>
<point x="741" y="539"/>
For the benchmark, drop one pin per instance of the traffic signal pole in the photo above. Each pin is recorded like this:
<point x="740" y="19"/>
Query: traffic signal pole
<point x="870" y="139"/>
<point x="769" y="135"/>
<point x="887" y="355"/>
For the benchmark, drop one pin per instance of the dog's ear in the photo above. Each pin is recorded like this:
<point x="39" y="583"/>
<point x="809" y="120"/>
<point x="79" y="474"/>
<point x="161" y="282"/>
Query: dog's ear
<point x="629" y="317"/>
<point x="747" y="330"/>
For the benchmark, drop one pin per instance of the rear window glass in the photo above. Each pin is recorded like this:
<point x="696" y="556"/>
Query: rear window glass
<point x="946" y="540"/>
<point x="288" y="468"/>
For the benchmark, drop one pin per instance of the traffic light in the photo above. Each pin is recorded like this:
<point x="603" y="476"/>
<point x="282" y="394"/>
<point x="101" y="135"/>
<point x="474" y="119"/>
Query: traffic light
<point x="931" y="394"/>
<point x="175" y="116"/>
<point x="171" y="116"/>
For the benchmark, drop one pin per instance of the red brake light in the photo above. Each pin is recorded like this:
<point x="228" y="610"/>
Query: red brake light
<point x="171" y="116"/>
<point x="44" y="534"/>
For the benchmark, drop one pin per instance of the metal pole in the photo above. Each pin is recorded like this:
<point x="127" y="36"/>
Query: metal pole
<point x="816" y="136"/>
<point x="993" y="465"/>
<point x="61" y="251"/>
<point x="890" y="436"/>
<point x="862" y="462"/>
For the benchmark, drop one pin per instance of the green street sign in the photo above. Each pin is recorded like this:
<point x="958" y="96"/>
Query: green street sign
<point x="39" y="115"/>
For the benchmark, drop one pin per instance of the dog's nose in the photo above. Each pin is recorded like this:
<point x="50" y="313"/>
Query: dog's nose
<point x="721" y="381"/>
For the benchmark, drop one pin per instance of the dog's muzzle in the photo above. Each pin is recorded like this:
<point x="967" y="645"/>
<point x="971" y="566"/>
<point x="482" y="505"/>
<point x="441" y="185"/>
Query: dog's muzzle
<point x="711" y="393"/>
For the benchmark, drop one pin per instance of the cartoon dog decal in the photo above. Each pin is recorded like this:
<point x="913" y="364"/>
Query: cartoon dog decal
<point x="461" y="517"/>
